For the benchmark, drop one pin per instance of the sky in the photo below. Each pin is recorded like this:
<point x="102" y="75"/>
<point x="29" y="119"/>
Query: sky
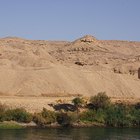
<point x="70" y="19"/>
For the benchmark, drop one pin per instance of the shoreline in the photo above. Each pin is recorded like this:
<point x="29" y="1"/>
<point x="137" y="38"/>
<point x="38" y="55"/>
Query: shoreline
<point x="16" y="125"/>
<point x="99" y="111"/>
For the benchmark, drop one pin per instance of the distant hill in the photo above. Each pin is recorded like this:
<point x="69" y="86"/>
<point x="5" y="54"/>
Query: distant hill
<point x="85" y="66"/>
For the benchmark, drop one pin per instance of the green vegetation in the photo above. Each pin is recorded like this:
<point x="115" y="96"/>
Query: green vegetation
<point x="122" y="116"/>
<point x="78" y="102"/>
<point x="99" y="110"/>
<point x="10" y="125"/>
<point x="18" y="115"/>
<point x="93" y="116"/>
<point x="101" y="100"/>
<point x="45" y="117"/>
<point x="64" y="119"/>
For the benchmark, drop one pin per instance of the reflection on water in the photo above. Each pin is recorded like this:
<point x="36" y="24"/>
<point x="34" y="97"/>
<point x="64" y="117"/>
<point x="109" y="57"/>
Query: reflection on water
<point x="71" y="134"/>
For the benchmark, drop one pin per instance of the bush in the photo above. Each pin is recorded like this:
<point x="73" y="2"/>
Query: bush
<point x="45" y="117"/>
<point x="64" y="119"/>
<point x="119" y="116"/>
<point x="2" y="112"/>
<point x="19" y="115"/>
<point x="78" y="102"/>
<point x="2" y="107"/>
<point x="49" y="116"/>
<point x="39" y="119"/>
<point x="136" y="116"/>
<point x="93" y="116"/>
<point x="101" y="100"/>
<point x="100" y="116"/>
<point x="74" y="116"/>
<point x="88" y="116"/>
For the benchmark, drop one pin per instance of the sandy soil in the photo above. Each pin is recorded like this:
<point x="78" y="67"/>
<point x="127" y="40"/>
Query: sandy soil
<point x="36" y="104"/>
<point x="33" y="104"/>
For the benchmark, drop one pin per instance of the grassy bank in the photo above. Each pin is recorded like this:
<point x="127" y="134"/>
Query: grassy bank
<point x="10" y="125"/>
<point x="98" y="111"/>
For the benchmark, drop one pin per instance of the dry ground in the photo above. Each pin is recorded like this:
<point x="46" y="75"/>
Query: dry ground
<point x="36" y="104"/>
<point x="33" y="104"/>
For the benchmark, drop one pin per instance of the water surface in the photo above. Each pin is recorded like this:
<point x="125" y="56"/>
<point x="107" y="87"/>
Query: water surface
<point x="71" y="134"/>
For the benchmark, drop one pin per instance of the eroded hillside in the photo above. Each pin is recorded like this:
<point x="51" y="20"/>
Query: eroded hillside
<point x="85" y="66"/>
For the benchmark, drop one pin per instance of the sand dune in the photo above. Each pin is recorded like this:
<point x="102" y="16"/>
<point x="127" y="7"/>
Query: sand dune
<point x="85" y="67"/>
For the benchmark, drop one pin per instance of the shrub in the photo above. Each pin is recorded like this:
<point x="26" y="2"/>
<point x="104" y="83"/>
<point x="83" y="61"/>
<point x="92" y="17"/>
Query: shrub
<point x="100" y="116"/>
<point x="88" y="116"/>
<point x="78" y="102"/>
<point x="39" y="120"/>
<point x="93" y="116"/>
<point x="2" y="116"/>
<point x="119" y="116"/>
<point x="136" y="117"/>
<point x="74" y="116"/>
<point x="2" y="107"/>
<point x="19" y="115"/>
<point x="101" y="100"/>
<point x="64" y="119"/>
<point x="49" y="116"/>
<point x="2" y="112"/>
<point x="45" y="117"/>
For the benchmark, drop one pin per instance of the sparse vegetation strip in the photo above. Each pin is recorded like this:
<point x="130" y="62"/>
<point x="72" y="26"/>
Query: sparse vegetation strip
<point x="98" y="111"/>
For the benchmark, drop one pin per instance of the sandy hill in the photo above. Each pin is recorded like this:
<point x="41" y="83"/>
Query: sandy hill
<point x="85" y="66"/>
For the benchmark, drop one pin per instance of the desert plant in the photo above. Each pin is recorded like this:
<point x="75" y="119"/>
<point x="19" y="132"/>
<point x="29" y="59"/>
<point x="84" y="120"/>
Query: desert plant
<point x="64" y="119"/>
<point x="93" y="116"/>
<point x="49" y="116"/>
<point x="100" y="116"/>
<point x="2" y="107"/>
<point x="87" y="116"/>
<point x="78" y="102"/>
<point x="45" y="117"/>
<point x="120" y="115"/>
<point x="2" y="112"/>
<point x="18" y="114"/>
<point x="101" y="100"/>
<point x="39" y="119"/>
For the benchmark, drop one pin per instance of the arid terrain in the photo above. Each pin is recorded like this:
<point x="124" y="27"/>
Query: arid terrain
<point x="36" y="69"/>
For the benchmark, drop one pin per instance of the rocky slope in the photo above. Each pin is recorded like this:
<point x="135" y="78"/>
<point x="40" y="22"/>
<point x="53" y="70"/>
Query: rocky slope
<point x="85" y="66"/>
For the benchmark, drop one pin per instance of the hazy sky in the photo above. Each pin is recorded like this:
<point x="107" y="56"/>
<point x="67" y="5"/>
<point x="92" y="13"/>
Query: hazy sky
<point x="70" y="19"/>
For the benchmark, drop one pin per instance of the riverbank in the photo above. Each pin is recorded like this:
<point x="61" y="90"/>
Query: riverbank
<point x="99" y="111"/>
<point x="120" y="117"/>
<point x="16" y="125"/>
<point x="36" y="104"/>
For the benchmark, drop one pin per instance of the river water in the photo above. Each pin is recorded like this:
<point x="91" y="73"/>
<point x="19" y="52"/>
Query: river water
<point x="71" y="134"/>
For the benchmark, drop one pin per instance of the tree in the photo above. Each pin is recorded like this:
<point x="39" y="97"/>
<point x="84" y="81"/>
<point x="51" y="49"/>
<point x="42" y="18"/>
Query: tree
<point x="101" y="100"/>
<point x="78" y="102"/>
